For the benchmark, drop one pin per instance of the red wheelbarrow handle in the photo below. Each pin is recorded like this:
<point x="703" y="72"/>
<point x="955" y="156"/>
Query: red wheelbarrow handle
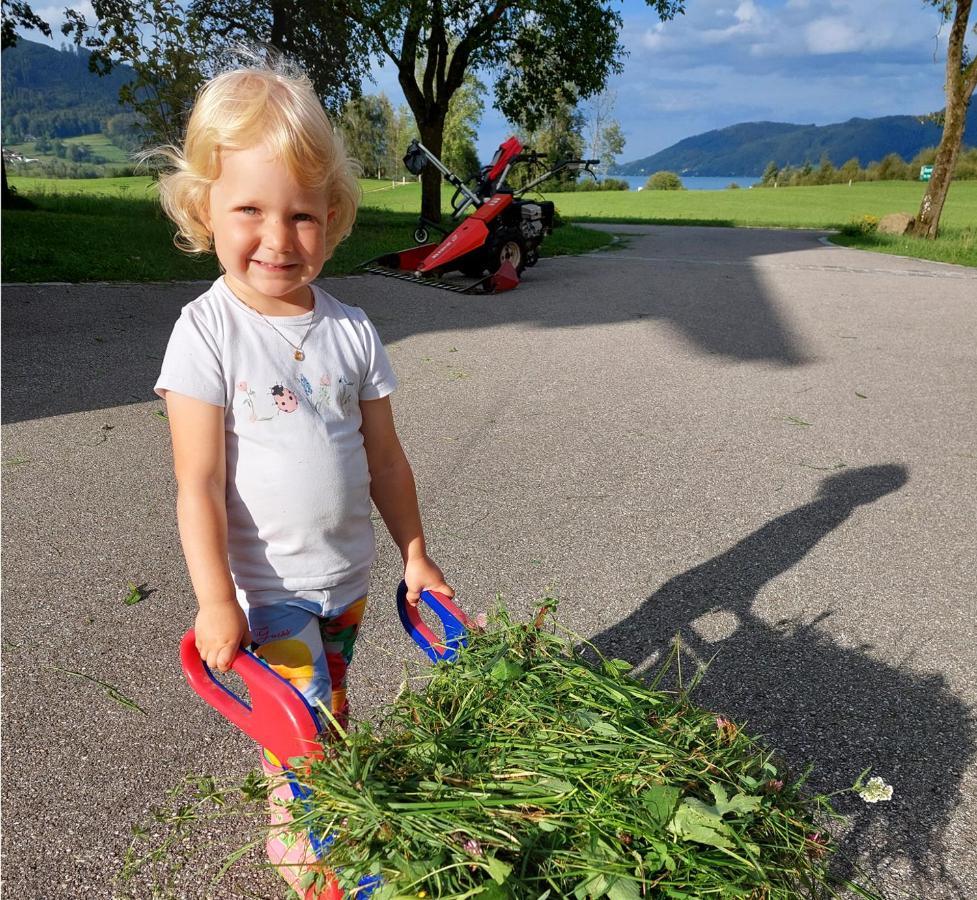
<point x="278" y="716"/>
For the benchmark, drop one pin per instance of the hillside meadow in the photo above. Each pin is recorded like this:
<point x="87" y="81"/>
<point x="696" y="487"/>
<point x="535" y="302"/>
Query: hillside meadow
<point x="111" y="229"/>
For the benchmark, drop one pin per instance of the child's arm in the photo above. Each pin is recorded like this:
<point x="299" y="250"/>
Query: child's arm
<point x="393" y="491"/>
<point x="197" y="429"/>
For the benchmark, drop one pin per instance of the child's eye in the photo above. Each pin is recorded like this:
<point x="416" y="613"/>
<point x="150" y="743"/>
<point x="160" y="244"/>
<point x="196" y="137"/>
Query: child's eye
<point x="249" y="210"/>
<point x="304" y="217"/>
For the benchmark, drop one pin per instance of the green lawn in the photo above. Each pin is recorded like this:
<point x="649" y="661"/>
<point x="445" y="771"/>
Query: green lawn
<point x="828" y="206"/>
<point x="111" y="229"/>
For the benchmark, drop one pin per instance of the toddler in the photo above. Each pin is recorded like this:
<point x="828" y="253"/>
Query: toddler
<point x="277" y="393"/>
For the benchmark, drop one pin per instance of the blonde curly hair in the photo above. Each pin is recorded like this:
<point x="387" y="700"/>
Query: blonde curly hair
<point x="272" y="104"/>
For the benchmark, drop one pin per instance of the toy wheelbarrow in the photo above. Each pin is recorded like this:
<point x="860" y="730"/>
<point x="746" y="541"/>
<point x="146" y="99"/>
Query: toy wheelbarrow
<point x="280" y="719"/>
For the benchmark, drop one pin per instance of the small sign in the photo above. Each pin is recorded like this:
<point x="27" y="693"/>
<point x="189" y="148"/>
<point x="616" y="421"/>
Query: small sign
<point x="925" y="172"/>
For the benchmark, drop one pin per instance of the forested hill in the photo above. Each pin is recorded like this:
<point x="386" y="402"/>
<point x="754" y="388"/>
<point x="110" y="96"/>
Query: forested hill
<point x="51" y="93"/>
<point x="746" y="149"/>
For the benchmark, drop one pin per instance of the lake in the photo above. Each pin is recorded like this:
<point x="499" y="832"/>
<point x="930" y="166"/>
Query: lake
<point x="696" y="183"/>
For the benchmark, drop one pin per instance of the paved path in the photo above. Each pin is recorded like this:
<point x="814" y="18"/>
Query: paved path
<point x="762" y="443"/>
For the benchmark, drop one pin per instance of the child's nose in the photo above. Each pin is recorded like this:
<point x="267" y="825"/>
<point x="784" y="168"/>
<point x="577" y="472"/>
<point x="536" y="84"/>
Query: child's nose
<point x="277" y="234"/>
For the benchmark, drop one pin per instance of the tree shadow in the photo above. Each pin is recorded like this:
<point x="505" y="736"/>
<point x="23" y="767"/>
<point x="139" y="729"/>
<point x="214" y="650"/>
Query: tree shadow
<point x="837" y="707"/>
<point x="700" y="281"/>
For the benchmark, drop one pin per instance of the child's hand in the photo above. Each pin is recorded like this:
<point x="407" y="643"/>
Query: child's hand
<point x="423" y="574"/>
<point x="220" y="630"/>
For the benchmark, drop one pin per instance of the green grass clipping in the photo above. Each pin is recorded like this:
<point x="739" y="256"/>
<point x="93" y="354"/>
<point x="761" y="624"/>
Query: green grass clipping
<point x="531" y="768"/>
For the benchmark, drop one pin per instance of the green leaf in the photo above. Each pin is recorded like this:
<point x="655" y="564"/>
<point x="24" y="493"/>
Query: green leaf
<point x="659" y="801"/>
<point x="699" y="822"/>
<point x="492" y="891"/>
<point x="624" y="889"/>
<point x="741" y="803"/>
<point x="135" y="595"/>
<point x="617" y="666"/>
<point x="604" y="729"/>
<point x="505" y="670"/>
<point x="498" y="870"/>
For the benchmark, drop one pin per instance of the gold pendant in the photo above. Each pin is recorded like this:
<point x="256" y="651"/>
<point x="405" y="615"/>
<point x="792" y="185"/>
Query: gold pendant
<point x="299" y="355"/>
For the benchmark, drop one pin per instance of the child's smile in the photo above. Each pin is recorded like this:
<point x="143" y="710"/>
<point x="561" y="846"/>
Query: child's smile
<point x="269" y="231"/>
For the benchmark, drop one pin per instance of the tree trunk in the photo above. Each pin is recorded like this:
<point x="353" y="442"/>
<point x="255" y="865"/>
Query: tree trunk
<point x="432" y="137"/>
<point x="7" y="194"/>
<point x="928" y="218"/>
<point x="961" y="77"/>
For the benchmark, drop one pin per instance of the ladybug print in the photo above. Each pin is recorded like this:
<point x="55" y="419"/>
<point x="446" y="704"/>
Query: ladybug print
<point x="285" y="400"/>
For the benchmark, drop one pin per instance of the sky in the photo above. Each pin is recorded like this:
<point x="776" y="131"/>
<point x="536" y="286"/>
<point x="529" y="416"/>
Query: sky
<point x="730" y="61"/>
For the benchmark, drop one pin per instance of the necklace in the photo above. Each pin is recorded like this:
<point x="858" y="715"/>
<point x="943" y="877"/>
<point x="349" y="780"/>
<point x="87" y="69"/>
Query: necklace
<point x="299" y="354"/>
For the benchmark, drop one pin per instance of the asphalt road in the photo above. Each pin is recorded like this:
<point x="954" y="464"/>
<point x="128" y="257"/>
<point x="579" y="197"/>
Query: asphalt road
<point x="745" y="437"/>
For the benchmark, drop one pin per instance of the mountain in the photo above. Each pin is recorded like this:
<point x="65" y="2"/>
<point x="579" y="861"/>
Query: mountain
<point x="52" y="93"/>
<point x="745" y="149"/>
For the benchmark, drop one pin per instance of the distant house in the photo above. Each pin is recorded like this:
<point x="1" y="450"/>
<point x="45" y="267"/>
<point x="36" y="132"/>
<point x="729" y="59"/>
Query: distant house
<point x="14" y="156"/>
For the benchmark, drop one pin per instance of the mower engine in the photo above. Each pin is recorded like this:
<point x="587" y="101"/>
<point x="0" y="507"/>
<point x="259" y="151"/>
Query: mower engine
<point x="536" y="224"/>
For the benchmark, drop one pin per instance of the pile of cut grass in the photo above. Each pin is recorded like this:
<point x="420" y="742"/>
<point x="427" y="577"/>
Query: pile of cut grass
<point x="523" y="770"/>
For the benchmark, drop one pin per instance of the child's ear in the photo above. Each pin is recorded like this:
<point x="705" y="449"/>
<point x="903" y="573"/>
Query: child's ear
<point x="331" y="215"/>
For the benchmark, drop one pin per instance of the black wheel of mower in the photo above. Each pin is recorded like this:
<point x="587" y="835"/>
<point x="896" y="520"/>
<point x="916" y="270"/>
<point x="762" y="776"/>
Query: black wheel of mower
<point x="421" y="236"/>
<point x="511" y="249"/>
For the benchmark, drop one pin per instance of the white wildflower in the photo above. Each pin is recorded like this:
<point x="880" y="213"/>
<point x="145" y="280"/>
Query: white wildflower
<point x="875" y="790"/>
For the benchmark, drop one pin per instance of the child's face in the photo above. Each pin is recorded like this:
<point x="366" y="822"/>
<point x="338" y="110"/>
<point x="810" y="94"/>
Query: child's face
<point x="269" y="231"/>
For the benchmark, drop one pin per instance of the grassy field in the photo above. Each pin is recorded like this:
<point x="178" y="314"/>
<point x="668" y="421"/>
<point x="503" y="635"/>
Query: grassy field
<point x="829" y="207"/>
<point x="99" y="144"/>
<point x="111" y="229"/>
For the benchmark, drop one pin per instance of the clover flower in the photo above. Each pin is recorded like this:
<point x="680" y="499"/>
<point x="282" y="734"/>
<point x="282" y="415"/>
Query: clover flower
<point x="818" y="844"/>
<point x="874" y="790"/>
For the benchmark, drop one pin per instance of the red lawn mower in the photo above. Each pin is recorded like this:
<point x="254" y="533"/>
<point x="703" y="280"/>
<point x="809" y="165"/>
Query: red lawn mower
<point x="501" y="237"/>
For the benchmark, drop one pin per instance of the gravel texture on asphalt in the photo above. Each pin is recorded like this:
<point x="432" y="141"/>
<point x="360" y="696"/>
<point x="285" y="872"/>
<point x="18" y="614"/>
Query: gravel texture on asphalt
<point x="747" y="438"/>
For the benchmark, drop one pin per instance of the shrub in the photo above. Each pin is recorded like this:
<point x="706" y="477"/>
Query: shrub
<point x="732" y="186"/>
<point x="664" y="181"/>
<point x="861" y="225"/>
<point x="608" y="184"/>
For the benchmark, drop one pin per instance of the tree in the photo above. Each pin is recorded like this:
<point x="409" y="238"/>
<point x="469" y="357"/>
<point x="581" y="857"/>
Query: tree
<point x="366" y="124"/>
<point x="333" y="49"/>
<point x="605" y="139"/>
<point x="544" y="53"/>
<point x="961" y="78"/>
<point x="16" y="15"/>
<point x="770" y="174"/>
<point x="403" y="131"/>
<point x="165" y="47"/>
<point x="465" y="109"/>
<point x="558" y="137"/>
<point x="664" y="181"/>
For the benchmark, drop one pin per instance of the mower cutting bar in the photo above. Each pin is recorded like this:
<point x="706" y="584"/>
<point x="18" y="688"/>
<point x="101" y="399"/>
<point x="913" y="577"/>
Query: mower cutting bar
<point x="403" y="275"/>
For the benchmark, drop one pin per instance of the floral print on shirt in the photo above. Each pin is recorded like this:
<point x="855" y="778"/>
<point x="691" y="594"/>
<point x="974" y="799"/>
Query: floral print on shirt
<point x="286" y="400"/>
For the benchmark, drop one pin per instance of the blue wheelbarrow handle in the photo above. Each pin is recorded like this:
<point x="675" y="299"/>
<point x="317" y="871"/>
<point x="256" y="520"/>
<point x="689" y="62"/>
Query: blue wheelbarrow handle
<point x="453" y="619"/>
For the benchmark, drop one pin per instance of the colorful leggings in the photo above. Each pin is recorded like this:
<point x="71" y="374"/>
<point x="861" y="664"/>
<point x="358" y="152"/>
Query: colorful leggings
<point x="312" y="652"/>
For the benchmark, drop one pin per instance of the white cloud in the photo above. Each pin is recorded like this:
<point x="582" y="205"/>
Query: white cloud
<point x="802" y="61"/>
<point x="831" y="36"/>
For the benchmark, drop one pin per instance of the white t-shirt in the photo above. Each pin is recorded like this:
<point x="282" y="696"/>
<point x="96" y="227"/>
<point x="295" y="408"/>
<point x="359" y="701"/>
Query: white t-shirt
<point x="298" y="485"/>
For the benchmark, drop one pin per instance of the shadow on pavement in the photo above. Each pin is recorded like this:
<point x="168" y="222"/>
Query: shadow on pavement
<point x="69" y="348"/>
<point x="834" y="706"/>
